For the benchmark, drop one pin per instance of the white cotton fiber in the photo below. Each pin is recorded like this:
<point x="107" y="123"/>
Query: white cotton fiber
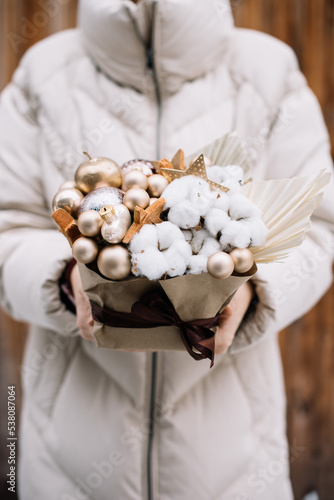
<point x="167" y="233"/>
<point x="183" y="248"/>
<point x="150" y="263"/>
<point x="174" y="193"/>
<point x="233" y="185"/>
<point x="216" y="221"/>
<point x="223" y="174"/>
<point x="176" y="264"/>
<point x="184" y="215"/>
<point x="258" y="230"/>
<point x="187" y="234"/>
<point x="197" y="264"/>
<point x="200" y="202"/>
<point x="221" y="201"/>
<point x="241" y="207"/>
<point x="198" y="239"/>
<point x="146" y="237"/>
<point x="210" y="246"/>
<point x="235" y="235"/>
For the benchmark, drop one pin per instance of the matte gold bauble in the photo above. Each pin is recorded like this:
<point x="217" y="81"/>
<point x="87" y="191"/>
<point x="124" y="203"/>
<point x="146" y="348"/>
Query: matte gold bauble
<point x="67" y="185"/>
<point x="152" y="200"/>
<point x="156" y="185"/>
<point x="69" y="200"/>
<point x="99" y="197"/>
<point x="144" y="166"/>
<point x="136" y="197"/>
<point x="84" y="250"/>
<point x="114" y="262"/>
<point x="96" y="173"/>
<point x="117" y="222"/>
<point x="134" y="178"/>
<point x="89" y="223"/>
<point x="220" y="265"/>
<point x="243" y="259"/>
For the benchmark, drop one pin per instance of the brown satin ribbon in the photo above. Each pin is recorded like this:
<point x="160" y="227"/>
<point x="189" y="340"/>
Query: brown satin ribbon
<point x="155" y="309"/>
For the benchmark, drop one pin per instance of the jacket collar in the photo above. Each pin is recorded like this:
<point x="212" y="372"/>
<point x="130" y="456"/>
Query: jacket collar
<point x="181" y="39"/>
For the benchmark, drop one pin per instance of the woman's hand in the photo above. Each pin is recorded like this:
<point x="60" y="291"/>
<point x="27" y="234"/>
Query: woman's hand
<point x="232" y="316"/>
<point x="85" y="320"/>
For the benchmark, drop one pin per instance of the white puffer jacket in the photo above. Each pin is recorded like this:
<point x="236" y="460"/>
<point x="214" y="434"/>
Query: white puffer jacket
<point x="142" y="81"/>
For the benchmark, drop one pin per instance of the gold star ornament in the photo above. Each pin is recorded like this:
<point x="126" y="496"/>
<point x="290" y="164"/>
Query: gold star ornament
<point x="150" y="215"/>
<point x="197" y="169"/>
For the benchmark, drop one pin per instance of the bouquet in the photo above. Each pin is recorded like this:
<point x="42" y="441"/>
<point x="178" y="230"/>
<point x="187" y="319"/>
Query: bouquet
<point x="163" y="246"/>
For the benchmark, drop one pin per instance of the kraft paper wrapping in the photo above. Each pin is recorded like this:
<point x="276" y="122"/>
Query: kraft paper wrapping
<point x="193" y="297"/>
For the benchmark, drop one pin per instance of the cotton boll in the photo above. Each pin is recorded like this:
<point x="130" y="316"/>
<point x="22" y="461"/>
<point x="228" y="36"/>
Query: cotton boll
<point x="214" y="173"/>
<point x="241" y="207"/>
<point x="197" y="264"/>
<point x="235" y="234"/>
<point x="223" y="174"/>
<point x="258" y="230"/>
<point x="147" y="237"/>
<point x="175" y="192"/>
<point x="221" y="201"/>
<point x="176" y="263"/>
<point x="184" y="215"/>
<point x="200" y="202"/>
<point x="233" y="185"/>
<point x="179" y="189"/>
<point x="150" y="263"/>
<point x="167" y="233"/>
<point x="187" y="234"/>
<point x="210" y="246"/>
<point x="198" y="239"/>
<point x="182" y="248"/>
<point x="216" y="221"/>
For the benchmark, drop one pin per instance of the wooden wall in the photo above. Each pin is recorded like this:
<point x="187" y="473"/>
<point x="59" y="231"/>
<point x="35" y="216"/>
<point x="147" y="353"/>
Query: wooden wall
<point x="308" y="345"/>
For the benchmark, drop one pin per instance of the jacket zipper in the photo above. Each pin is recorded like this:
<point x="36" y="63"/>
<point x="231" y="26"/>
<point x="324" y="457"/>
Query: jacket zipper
<point x="150" y="63"/>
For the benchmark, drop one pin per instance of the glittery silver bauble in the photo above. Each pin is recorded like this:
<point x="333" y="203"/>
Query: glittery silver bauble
<point x="220" y="265"/>
<point x="89" y="223"/>
<point x="136" y="197"/>
<point x="84" y="250"/>
<point x="114" y="262"/>
<point x="243" y="259"/>
<point x="142" y="165"/>
<point x="156" y="185"/>
<point x="69" y="200"/>
<point x="117" y="222"/>
<point x="99" y="197"/>
<point x="96" y="173"/>
<point x="134" y="178"/>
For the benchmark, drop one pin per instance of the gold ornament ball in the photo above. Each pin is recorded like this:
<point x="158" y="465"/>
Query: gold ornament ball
<point x="89" y="223"/>
<point x="84" y="250"/>
<point x="136" y="197"/>
<point x="134" y="178"/>
<point x="68" y="199"/>
<point x="243" y="259"/>
<point x="153" y="200"/>
<point x="156" y="185"/>
<point x="96" y="173"/>
<point x="67" y="185"/>
<point x="114" y="262"/>
<point x="220" y="265"/>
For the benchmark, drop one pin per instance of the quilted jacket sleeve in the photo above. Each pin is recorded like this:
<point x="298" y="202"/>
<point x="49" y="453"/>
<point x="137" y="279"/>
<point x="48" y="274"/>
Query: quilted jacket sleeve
<point x="33" y="253"/>
<point x="298" y="144"/>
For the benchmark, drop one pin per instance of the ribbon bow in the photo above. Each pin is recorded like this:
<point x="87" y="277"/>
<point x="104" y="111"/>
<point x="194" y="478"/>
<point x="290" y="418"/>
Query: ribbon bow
<point x="155" y="309"/>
